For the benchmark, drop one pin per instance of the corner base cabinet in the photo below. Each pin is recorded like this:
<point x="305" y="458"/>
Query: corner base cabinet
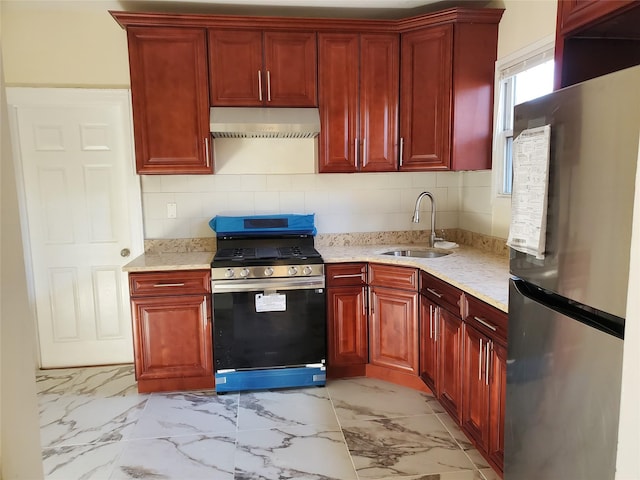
<point x="172" y="330"/>
<point x="393" y="317"/>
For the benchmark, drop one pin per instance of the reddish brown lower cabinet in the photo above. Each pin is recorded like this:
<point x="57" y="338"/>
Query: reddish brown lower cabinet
<point x="484" y="379"/>
<point x="347" y="349"/>
<point x="429" y="343"/>
<point x="172" y="330"/>
<point x="449" y="366"/>
<point x="497" y="403"/>
<point x="475" y="408"/>
<point x="393" y="318"/>
<point x="440" y="340"/>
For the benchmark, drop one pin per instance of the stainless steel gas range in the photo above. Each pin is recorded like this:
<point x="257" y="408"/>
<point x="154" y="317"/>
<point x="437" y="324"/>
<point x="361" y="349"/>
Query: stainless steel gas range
<point x="268" y="289"/>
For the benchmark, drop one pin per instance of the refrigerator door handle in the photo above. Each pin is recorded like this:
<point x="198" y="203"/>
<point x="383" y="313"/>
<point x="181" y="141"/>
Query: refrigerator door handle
<point x="605" y="322"/>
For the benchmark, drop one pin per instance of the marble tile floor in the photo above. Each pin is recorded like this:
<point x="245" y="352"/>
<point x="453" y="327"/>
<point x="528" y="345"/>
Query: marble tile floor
<point x="95" y="425"/>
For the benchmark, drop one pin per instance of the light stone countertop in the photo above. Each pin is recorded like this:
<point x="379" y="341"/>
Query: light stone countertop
<point x="483" y="275"/>
<point x="148" y="262"/>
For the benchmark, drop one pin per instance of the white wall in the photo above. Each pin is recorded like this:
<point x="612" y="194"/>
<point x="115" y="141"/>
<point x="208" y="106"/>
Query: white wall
<point x="628" y="464"/>
<point x="20" y="456"/>
<point x="524" y="22"/>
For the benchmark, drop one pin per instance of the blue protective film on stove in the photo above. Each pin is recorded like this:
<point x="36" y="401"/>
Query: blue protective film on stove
<point x="261" y="224"/>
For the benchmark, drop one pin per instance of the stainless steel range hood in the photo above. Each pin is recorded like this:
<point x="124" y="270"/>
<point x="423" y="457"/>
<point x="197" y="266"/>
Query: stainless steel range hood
<point x="244" y="122"/>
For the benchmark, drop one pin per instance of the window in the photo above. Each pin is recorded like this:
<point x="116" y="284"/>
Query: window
<point x="519" y="78"/>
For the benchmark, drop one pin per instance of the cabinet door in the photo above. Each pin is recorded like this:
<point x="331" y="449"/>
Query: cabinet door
<point x="475" y="386"/>
<point x="429" y="343"/>
<point x="290" y="69"/>
<point x="347" y="326"/>
<point x="338" y="78"/>
<point x="393" y="329"/>
<point x="497" y="402"/>
<point x="574" y="14"/>
<point x="172" y="337"/>
<point x="379" y="67"/>
<point x="449" y="365"/>
<point x="235" y="68"/>
<point x="170" y="97"/>
<point x="425" y="99"/>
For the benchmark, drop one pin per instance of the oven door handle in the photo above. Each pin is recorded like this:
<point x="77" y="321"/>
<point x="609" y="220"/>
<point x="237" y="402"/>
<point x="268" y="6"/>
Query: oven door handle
<point x="231" y="286"/>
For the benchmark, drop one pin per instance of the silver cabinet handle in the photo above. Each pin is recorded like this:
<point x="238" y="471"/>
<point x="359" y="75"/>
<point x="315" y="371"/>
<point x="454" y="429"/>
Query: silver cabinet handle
<point x="401" y="149"/>
<point x="436" y="322"/>
<point x="350" y="275"/>
<point x="432" y="291"/>
<point x="355" y="150"/>
<point x="163" y="285"/>
<point x="430" y="321"/>
<point x="364" y="150"/>
<point x="268" y="85"/>
<point x="480" y="361"/>
<point x="125" y="252"/>
<point x="259" y="85"/>
<point x="486" y="372"/>
<point x="365" y="303"/>
<point x="206" y="150"/>
<point x="204" y="312"/>
<point x="488" y="325"/>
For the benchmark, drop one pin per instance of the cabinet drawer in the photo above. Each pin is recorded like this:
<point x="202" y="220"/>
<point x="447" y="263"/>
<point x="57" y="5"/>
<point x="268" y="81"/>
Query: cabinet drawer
<point x="346" y="274"/>
<point x="393" y="277"/>
<point x="440" y="292"/>
<point x="178" y="282"/>
<point x="487" y="319"/>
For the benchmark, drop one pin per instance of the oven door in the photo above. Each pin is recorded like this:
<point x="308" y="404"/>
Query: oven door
<point x="270" y="323"/>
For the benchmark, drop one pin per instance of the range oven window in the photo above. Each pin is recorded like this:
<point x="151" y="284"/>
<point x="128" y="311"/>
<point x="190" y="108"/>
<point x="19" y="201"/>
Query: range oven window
<point x="257" y="329"/>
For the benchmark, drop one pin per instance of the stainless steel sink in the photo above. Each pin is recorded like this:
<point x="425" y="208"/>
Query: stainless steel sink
<point x="420" y="253"/>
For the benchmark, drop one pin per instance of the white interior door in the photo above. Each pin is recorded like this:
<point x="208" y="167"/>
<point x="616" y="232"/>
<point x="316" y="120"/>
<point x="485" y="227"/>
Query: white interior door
<point x="83" y="214"/>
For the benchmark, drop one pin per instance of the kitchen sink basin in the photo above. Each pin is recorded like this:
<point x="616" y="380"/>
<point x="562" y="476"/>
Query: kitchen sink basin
<point x="420" y="253"/>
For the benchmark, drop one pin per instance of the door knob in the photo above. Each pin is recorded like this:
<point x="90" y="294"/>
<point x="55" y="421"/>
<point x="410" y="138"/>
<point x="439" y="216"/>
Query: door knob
<point x="125" y="252"/>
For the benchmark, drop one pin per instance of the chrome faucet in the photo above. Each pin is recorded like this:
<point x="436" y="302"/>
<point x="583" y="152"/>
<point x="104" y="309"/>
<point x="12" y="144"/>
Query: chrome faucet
<point x="416" y="216"/>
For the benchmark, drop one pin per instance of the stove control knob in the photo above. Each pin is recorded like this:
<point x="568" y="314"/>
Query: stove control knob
<point x="293" y="271"/>
<point x="268" y="271"/>
<point x="244" y="272"/>
<point x="307" y="270"/>
<point x="229" y="273"/>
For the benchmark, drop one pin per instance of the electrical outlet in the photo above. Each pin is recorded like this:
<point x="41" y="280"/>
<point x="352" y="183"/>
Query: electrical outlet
<point x="172" y="210"/>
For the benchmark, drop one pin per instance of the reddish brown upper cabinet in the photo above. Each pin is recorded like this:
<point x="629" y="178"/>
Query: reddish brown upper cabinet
<point x="172" y="330"/>
<point x="170" y="97"/>
<point x="446" y="94"/>
<point x="358" y="82"/>
<point x="393" y="318"/>
<point x="262" y="68"/>
<point x="595" y="37"/>
<point x="347" y="314"/>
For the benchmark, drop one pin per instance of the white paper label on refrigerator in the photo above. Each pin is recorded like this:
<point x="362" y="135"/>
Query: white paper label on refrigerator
<point x="275" y="302"/>
<point x="530" y="186"/>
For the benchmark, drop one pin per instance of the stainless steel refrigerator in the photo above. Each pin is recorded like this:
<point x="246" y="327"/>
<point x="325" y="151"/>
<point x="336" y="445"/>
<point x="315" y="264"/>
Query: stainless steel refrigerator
<point x="567" y="310"/>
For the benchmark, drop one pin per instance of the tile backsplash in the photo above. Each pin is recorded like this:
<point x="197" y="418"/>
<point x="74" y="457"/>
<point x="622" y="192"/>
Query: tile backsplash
<point x="343" y="203"/>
